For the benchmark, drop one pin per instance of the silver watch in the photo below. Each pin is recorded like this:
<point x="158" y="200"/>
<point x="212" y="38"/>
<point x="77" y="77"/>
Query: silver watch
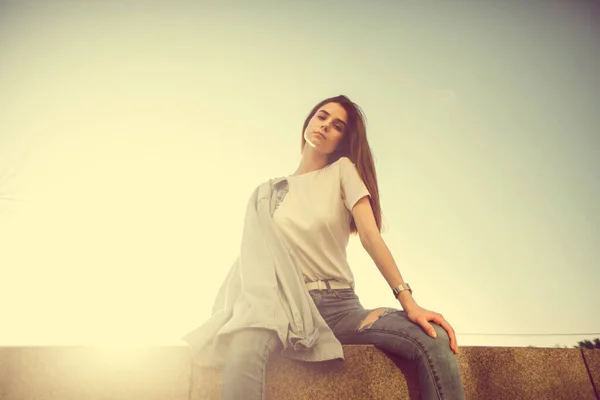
<point x="399" y="288"/>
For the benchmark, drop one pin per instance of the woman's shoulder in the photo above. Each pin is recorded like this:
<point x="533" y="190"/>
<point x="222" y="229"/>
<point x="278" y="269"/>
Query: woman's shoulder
<point x="344" y="161"/>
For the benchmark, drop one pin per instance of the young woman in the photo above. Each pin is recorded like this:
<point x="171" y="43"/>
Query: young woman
<point x="331" y="195"/>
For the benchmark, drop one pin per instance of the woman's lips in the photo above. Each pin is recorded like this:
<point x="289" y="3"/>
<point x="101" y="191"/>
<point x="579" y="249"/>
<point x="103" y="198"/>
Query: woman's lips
<point x="320" y="134"/>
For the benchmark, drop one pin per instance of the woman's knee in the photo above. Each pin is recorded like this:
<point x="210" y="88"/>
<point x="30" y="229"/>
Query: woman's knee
<point x="419" y="342"/>
<point x="440" y="344"/>
<point x="410" y="339"/>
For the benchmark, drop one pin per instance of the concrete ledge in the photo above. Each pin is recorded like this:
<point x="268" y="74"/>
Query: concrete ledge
<point x="592" y="360"/>
<point x="368" y="373"/>
<point x="82" y="373"/>
<point x="524" y="373"/>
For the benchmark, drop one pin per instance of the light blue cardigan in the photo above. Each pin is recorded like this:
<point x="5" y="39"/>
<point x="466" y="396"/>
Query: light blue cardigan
<point x="265" y="289"/>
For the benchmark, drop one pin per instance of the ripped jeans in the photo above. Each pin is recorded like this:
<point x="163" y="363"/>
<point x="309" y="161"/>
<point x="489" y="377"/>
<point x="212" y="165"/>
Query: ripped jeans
<point x="392" y="332"/>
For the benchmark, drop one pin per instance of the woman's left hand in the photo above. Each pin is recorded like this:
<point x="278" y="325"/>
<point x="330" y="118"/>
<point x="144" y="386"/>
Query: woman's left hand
<point x="421" y="316"/>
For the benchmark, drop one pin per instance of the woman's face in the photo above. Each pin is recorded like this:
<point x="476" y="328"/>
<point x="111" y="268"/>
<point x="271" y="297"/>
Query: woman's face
<point x="326" y="128"/>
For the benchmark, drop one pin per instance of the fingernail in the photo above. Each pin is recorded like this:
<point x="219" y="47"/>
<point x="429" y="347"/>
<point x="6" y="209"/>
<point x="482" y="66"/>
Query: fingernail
<point x="434" y="334"/>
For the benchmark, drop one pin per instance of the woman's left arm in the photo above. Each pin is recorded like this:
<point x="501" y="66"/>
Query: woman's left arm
<point x="374" y="244"/>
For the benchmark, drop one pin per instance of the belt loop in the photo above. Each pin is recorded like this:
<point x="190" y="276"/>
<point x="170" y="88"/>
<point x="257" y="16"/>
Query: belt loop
<point x="328" y="286"/>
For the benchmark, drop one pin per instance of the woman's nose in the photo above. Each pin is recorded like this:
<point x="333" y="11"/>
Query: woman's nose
<point x="324" y="128"/>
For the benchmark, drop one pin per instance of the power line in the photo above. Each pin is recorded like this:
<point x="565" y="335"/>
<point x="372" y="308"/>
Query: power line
<point x="528" y="334"/>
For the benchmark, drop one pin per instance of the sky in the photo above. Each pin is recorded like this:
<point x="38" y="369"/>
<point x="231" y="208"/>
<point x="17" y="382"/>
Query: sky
<point x="132" y="135"/>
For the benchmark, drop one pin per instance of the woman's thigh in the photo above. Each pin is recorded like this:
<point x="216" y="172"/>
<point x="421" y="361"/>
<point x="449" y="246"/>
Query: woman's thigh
<point x="391" y="330"/>
<point x="383" y="327"/>
<point x="386" y="328"/>
<point x="395" y="334"/>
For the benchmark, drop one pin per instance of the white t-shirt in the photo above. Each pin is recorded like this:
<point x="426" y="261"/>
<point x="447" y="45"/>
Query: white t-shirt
<point x="314" y="219"/>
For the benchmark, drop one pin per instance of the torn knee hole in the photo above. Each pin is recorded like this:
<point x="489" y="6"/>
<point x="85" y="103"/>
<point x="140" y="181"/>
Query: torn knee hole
<point x="374" y="316"/>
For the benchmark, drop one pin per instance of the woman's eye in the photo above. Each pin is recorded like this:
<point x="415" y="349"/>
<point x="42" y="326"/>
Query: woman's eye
<point x="320" y="117"/>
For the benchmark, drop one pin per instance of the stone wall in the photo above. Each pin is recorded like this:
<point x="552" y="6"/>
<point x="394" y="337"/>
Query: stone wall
<point x="167" y="373"/>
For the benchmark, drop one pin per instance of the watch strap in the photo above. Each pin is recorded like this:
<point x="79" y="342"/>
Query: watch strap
<point x="400" y="288"/>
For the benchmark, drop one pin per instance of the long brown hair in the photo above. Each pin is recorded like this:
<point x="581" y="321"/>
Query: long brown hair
<point x="355" y="146"/>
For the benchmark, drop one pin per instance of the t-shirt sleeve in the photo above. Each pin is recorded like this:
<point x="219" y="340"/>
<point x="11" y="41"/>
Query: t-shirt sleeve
<point x="353" y="187"/>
